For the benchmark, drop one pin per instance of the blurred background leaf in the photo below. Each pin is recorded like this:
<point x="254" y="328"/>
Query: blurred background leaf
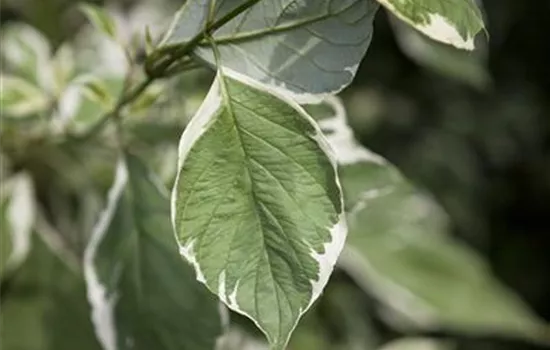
<point x="143" y="295"/>
<point x="399" y="251"/>
<point x="466" y="66"/>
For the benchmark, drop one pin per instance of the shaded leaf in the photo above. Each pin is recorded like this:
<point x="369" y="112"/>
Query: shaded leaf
<point x="256" y="206"/>
<point x="309" y="47"/>
<point x="189" y="21"/>
<point x="143" y="295"/>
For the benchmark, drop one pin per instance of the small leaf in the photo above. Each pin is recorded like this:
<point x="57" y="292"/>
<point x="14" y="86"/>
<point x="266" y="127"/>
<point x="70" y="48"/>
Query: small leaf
<point x="454" y="22"/>
<point x="256" y="206"/>
<point x="143" y="296"/>
<point x="399" y="251"/>
<point x="20" y="98"/>
<point x="100" y="19"/>
<point x="309" y="47"/>
<point x="18" y="217"/>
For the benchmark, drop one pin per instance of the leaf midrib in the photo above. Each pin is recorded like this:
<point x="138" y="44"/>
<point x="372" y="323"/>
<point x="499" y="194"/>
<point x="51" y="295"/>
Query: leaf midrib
<point x="227" y="101"/>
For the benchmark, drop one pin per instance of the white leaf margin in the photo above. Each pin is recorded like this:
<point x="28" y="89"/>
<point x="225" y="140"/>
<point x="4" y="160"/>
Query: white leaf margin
<point x="21" y="217"/>
<point x="348" y="152"/>
<point x="438" y="28"/>
<point x="341" y="138"/>
<point x="101" y="303"/>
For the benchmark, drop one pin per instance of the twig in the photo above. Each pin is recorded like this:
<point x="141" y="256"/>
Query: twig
<point x="156" y="68"/>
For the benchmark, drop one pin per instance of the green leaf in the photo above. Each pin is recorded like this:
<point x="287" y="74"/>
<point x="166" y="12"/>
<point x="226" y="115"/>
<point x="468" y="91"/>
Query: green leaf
<point x="399" y="251"/>
<point x="100" y="19"/>
<point x="26" y="52"/>
<point x="142" y="294"/>
<point x="20" y="98"/>
<point x="18" y="218"/>
<point x="465" y="66"/>
<point x="257" y="206"/>
<point x="454" y="22"/>
<point x="44" y="306"/>
<point x="309" y="47"/>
